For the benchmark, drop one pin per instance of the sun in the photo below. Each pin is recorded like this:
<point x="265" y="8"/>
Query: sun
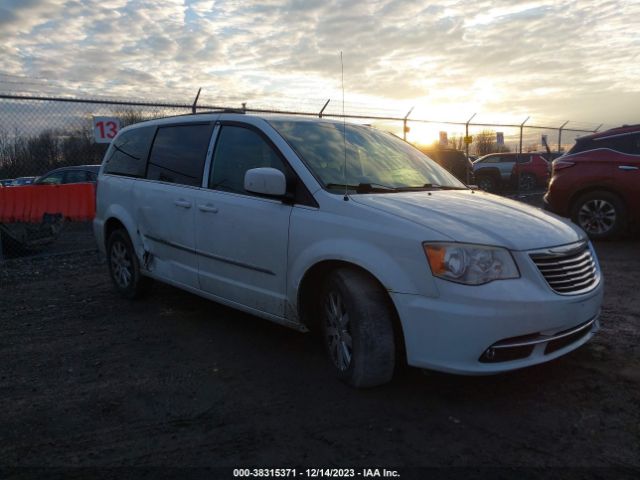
<point x="423" y="134"/>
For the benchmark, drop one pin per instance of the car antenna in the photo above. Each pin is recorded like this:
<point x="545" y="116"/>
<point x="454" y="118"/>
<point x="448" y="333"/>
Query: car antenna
<point x="344" y="133"/>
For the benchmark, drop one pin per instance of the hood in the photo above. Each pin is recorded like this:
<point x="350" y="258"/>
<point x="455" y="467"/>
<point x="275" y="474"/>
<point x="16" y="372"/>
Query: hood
<point x="477" y="217"/>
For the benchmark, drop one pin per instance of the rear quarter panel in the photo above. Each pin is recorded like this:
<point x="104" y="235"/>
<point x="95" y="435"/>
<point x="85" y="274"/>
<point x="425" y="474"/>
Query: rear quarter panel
<point x="113" y="200"/>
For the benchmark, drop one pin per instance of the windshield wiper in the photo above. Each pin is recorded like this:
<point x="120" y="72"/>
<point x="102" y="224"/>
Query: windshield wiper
<point x="364" y="187"/>
<point x="428" y="186"/>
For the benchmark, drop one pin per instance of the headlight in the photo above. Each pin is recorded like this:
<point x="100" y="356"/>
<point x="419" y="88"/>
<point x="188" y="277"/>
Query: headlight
<point x="470" y="264"/>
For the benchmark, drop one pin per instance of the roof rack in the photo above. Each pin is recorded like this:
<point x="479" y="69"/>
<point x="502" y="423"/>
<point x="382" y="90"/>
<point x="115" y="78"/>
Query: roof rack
<point x="222" y="110"/>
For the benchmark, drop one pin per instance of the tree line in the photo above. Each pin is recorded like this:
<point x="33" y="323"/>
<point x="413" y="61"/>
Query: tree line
<point x="483" y="143"/>
<point x="34" y="155"/>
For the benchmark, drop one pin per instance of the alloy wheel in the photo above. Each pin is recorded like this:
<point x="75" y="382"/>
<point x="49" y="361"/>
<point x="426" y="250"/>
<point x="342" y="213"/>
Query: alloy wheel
<point x="338" y="332"/>
<point x="485" y="183"/>
<point x="527" y="182"/>
<point x="597" y="216"/>
<point x="121" y="264"/>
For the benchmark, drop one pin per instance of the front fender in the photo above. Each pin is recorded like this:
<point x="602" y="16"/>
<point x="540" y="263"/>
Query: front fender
<point x="396" y="260"/>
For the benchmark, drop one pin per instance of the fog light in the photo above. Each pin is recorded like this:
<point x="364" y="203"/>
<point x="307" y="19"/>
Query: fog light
<point x="490" y="353"/>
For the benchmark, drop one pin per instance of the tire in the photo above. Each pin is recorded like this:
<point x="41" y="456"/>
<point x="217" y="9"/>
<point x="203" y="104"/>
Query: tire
<point x="124" y="267"/>
<point x="527" y="182"/>
<point x="601" y="214"/>
<point x="487" y="183"/>
<point x="357" y="324"/>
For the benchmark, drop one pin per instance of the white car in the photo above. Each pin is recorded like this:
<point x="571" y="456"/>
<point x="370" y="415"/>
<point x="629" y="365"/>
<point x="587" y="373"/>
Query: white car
<point x="314" y="224"/>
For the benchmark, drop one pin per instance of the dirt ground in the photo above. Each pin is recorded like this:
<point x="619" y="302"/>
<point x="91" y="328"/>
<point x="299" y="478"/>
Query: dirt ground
<point x="88" y="379"/>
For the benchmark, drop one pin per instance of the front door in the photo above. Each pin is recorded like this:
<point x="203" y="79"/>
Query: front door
<point x="627" y="175"/>
<point x="241" y="238"/>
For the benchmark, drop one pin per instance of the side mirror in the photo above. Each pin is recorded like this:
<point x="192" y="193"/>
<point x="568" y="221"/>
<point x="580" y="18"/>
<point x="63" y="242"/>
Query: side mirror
<point x="265" y="181"/>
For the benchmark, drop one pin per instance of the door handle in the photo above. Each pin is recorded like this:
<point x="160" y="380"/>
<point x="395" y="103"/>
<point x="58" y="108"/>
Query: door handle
<point x="182" y="203"/>
<point x="208" y="208"/>
<point x="627" y="167"/>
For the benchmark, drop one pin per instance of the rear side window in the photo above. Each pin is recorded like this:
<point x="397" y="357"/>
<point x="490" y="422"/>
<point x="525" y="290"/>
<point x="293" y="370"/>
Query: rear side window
<point x="623" y="143"/>
<point x="240" y="149"/>
<point x="75" y="176"/>
<point x="493" y="159"/>
<point x="128" y="153"/>
<point x="635" y="144"/>
<point x="178" y="154"/>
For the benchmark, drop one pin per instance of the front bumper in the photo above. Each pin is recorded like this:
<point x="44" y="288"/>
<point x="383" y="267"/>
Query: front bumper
<point x="454" y="332"/>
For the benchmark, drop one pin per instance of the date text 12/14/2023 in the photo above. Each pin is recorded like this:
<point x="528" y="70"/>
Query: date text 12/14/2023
<point x="315" y="473"/>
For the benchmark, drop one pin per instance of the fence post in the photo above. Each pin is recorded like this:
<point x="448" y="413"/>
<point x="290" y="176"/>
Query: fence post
<point x="193" y="107"/>
<point x="560" y="134"/>
<point x="518" y="156"/>
<point x="323" y="107"/>
<point x="404" y="124"/>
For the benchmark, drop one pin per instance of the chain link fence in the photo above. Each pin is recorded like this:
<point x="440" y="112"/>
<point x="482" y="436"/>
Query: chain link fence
<point x="40" y="134"/>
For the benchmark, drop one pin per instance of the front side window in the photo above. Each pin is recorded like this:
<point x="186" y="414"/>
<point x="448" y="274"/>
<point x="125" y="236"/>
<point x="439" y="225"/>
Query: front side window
<point x="374" y="159"/>
<point x="178" y="154"/>
<point x="128" y="152"/>
<point x="239" y="149"/>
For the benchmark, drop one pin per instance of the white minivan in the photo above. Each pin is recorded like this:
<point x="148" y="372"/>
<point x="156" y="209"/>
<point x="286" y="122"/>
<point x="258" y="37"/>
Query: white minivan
<point x="350" y="231"/>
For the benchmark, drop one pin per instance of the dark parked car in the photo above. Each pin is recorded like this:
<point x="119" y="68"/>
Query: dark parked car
<point x="455" y="161"/>
<point x="22" y="181"/>
<point x="597" y="183"/>
<point x="523" y="171"/>
<point x="64" y="175"/>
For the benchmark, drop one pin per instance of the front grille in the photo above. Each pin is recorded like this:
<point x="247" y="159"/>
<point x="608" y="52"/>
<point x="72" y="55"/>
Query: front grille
<point x="568" y="271"/>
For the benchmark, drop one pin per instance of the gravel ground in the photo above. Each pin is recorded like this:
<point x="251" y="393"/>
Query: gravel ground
<point x="88" y="379"/>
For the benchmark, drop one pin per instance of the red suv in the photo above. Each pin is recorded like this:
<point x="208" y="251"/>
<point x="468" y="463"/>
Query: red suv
<point x="597" y="183"/>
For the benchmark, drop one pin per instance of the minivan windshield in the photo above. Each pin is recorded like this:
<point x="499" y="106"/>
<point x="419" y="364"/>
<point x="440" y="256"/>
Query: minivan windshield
<point x="376" y="161"/>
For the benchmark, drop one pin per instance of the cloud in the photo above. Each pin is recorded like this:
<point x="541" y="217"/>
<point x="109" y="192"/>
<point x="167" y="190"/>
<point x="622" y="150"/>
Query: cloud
<point x="448" y="55"/>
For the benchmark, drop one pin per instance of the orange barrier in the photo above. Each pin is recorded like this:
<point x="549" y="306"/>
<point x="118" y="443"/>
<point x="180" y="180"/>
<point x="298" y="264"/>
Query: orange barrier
<point x="28" y="203"/>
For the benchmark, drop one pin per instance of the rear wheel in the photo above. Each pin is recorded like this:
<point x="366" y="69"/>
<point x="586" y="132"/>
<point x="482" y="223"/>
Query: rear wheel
<point x="601" y="214"/>
<point x="124" y="268"/>
<point x="357" y="322"/>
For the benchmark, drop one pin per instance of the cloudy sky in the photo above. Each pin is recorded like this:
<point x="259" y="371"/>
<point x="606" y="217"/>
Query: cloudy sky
<point x="551" y="59"/>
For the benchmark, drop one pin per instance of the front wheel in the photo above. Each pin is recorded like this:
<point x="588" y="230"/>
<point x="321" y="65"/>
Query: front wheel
<point x="357" y="321"/>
